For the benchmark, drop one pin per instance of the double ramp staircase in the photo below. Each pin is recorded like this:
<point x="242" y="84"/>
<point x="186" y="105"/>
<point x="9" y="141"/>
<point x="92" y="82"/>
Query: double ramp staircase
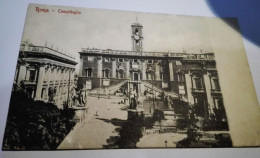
<point x="112" y="89"/>
<point x="158" y="90"/>
<point x="107" y="91"/>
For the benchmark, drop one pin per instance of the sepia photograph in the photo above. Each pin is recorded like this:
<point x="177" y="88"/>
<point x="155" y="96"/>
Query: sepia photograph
<point x="104" y="79"/>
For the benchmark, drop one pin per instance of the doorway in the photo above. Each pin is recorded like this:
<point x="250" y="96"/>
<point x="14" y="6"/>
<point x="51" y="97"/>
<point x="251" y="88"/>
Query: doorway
<point x="136" y="76"/>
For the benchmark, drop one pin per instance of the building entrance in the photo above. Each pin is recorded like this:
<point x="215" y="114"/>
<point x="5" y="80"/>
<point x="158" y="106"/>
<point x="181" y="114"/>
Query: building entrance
<point x="135" y="76"/>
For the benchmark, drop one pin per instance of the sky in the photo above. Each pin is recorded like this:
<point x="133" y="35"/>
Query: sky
<point x="106" y="29"/>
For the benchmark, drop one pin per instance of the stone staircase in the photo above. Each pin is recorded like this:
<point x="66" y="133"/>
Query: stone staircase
<point x="109" y="90"/>
<point x="159" y="90"/>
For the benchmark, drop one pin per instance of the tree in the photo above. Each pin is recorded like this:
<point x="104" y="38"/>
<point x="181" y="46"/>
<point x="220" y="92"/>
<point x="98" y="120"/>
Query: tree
<point x="35" y="125"/>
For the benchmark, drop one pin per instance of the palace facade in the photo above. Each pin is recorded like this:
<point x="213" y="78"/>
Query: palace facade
<point x="190" y="77"/>
<point x="44" y="73"/>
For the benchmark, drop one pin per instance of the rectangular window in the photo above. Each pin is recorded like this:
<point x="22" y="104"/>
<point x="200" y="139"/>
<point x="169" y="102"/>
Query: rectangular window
<point x="216" y="84"/>
<point x="198" y="83"/>
<point x="89" y="72"/>
<point x="32" y="75"/>
<point x="120" y="60"/>
<point x="105" y="73"/>
<point x="43" y="93"/>
<point x="135" y="60"/>
<point x="218" y="103"/>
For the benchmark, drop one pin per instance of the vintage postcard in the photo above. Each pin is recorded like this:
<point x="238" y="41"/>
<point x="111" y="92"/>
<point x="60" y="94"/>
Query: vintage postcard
<point x="103" y="79"/>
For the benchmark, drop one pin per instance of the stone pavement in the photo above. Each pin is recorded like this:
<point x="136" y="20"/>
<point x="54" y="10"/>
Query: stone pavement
<point x="94" y="130"/>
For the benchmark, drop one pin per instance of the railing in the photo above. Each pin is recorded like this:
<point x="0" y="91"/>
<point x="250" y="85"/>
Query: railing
<point x="132" y="53"/>
<point x="29" y="82"/>
<point x="159" y="90"/>
<point x="107" y="90"/>
<point x="206" y="56"/>
<point x="116" y="86"/>
<point x="42" y="49"/>
<point x="203" y="56"/>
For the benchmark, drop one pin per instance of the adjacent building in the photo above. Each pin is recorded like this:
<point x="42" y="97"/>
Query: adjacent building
<point x="44" y="73"/>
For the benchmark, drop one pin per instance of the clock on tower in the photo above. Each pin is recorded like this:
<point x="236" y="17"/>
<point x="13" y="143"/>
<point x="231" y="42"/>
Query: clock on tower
<point x="137" y="38"/>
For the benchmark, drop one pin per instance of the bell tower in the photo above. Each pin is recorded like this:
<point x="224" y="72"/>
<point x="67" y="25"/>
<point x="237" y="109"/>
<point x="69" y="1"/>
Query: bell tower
<point x="137" y="37"/>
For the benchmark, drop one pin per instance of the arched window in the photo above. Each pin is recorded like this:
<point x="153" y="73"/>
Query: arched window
<point x="106" y="73"/>
<point x="136" y="76"/>
<point x="89" y="72"/>
<point x="120" y="74"/>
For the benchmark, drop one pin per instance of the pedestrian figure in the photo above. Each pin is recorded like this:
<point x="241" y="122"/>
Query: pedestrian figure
<point x="166" y="143"/>
<point x="166" y="102"/>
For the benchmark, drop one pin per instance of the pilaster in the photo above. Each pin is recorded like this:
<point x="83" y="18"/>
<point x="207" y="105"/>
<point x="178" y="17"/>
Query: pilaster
<point x="171" y="71"/>
<point x="21" y="73"/>
<point x="157" y="71"/>
<point x="144" y="69"/>
<point x="113" y="68"/>
<point x="127" y="71"/>
<point x="188" y="80"/>
<point x="208" y="92"/>
<point x="81" y="66"/>
<point x="99" y="67"/>
<point x="40" y="79"/>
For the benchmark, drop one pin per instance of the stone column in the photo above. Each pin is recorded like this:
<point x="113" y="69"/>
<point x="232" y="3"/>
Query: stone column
<point x="157" y="71"/>
<point x="81" y="66"/>
<point x="188" y="80"/>
<point x="54" y="72"/>
<point x="72" y="73"/>
<point x="208" y="92"/>
<point x="99" y="67"/>
<point x="48" y="77"/>
<point x="144" y="67"/>
<point x="113" y="68"/>
<point x="171" y="71"/>
<point x="21" y="73"/>
<point x="39" y="83"/>
<point x="127" y="71"/>
<point x="58" y="77"/>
